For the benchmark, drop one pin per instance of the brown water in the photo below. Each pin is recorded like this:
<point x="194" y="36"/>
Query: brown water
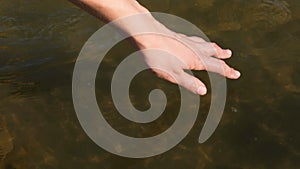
<point x="40" y="41"/>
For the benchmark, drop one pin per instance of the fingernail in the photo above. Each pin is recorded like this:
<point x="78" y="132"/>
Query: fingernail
<point x="237" y="74"/>
<point x="202" y="90"/>
<point x="229" y="52"/>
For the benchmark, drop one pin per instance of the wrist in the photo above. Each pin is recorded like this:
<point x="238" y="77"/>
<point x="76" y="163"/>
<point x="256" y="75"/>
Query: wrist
<point x="109" y="10"/>
<point x="149" y="33"/>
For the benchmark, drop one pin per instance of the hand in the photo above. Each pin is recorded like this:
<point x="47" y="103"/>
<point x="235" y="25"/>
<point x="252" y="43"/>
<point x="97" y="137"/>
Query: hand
<point x="188" y="52"/>
<point x="185" y="52"/>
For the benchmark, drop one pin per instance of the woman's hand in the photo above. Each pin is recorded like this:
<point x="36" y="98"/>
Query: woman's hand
<point x="185" y="52"/>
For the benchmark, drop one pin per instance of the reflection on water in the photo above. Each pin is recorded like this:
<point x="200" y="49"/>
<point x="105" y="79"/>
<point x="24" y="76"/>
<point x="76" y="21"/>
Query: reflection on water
<point x="39" y="42"/>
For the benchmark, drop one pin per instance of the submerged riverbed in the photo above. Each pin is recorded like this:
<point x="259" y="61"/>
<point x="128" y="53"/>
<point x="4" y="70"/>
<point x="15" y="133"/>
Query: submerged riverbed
<point x="39" y="44"/>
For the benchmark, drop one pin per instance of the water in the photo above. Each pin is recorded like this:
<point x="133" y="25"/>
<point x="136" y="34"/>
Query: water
<point x="39" y="43"/>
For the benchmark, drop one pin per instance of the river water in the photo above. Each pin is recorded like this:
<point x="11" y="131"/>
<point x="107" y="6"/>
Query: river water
<point x="39" y="44"/>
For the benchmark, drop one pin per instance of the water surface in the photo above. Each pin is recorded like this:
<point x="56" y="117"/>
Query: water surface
<point x="40" y="41"/>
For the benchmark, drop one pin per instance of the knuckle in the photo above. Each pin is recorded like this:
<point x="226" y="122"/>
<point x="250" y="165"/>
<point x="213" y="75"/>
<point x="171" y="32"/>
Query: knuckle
<point x="222" y="64"/>
<point x="225" y="67"/>
<point x="213" y="48"/>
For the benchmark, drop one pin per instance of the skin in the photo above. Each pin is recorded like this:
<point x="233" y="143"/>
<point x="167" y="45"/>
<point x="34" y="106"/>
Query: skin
<point x="185" y="52"/>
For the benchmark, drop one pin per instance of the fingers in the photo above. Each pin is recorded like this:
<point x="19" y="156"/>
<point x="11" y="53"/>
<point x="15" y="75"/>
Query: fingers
<point x="197" y="39"/>
<point x="220" y="67"/>
<point x="183" y="79"/>
<point x="214" y="64"/>
<point x="192" y="39"/>
<point x="221" y="53"/>
<point x="191" y="83"/>
<point x="211" y="49"/>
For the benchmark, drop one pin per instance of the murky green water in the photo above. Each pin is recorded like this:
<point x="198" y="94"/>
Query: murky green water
<point x="39" y="43"/>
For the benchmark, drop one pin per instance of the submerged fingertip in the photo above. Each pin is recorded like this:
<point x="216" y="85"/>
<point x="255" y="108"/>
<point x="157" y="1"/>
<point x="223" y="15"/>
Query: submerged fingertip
<point x="229" y="52"/>
<point x="238" y="74"/>
<point x="201" y="90"/>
